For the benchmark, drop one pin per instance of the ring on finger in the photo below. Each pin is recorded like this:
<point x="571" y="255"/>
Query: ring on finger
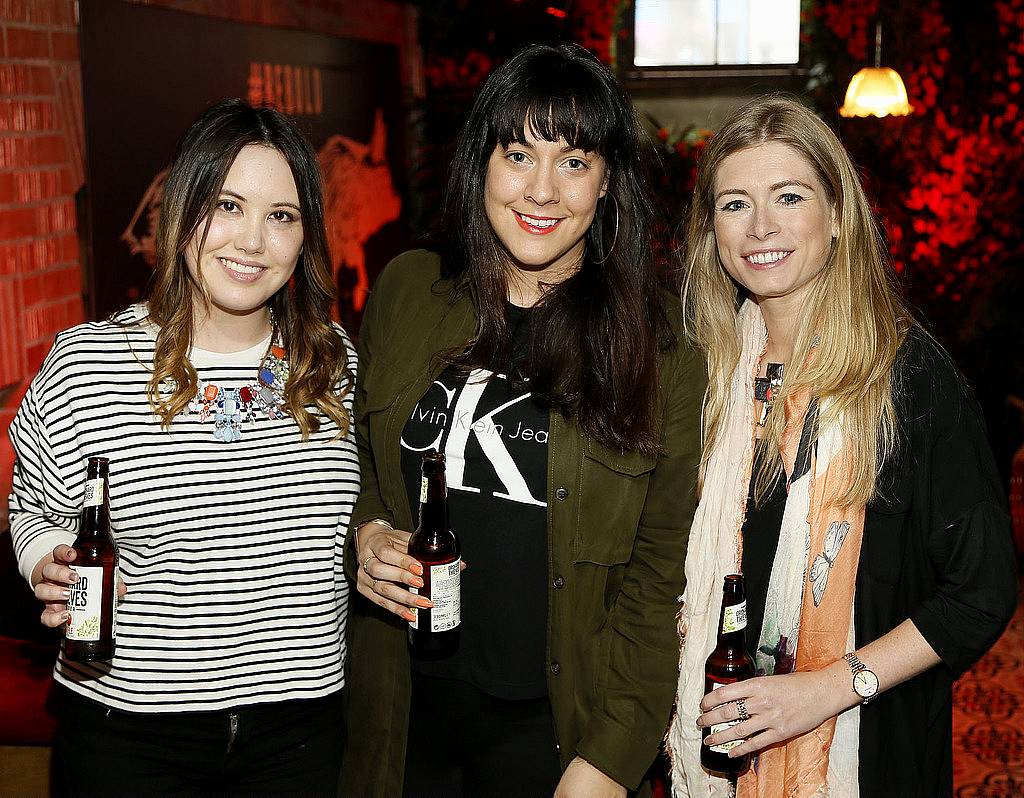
<point x="741" y="708"/>
<point x="366" y="560"/>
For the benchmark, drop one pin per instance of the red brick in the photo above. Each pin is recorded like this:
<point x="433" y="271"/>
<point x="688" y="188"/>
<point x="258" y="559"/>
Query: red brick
<point x="9" y="254"/>
<point x="27" y="43"/>
<point x="49" y="149"/>
<point x="8" y="189"/>
<point x="41" y="12"/>
<point x="65" y="13"/>
<point x="37" y="185"/>
<point x="11" y="365"/>
<point x="41" y="81"/>
<point x="17" y="223"/>
<point x="69" y="249"/>
<point x="13" y="152"/>
<point x="25" y="79"/>
<point x="31" y="290"/>
<point x="21" y="116"/>
<point x="64" y="46"/>
<point x="56" y="284"/>
<point x="56" y="217"/>
<point x="35" y="353"/>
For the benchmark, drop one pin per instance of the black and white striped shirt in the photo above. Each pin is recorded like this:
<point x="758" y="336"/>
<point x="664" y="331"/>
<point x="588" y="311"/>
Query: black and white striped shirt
<point x="232" y="552"/>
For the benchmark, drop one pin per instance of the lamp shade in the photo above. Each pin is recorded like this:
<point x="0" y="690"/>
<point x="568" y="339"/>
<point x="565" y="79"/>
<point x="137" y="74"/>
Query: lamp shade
<point x="876" y="91"/>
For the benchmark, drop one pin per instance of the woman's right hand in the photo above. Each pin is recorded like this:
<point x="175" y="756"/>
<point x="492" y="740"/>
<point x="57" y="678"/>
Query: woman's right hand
<point x="51" y="578"/>
<point x="385" y="568"/>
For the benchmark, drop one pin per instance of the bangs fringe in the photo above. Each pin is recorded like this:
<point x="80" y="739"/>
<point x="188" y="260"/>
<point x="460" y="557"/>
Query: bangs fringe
<point x="562" y="106"/>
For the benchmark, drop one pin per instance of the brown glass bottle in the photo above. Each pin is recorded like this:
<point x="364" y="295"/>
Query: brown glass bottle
<point x="435" y="632"/>
<point x="728" y="663"/>
<point x="90" y="634"/>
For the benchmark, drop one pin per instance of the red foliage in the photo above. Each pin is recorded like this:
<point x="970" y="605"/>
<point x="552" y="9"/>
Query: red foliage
<point x="596" y="25"/>
<point x="947" y="180"/>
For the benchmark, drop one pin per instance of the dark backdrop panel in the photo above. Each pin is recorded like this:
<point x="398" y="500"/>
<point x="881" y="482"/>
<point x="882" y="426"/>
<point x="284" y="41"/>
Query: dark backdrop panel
<point x="148" y="72"/>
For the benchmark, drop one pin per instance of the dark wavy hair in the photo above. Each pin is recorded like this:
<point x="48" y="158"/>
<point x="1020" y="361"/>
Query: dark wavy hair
<point x="594" y="338"/>
<point x="317" y="359"/>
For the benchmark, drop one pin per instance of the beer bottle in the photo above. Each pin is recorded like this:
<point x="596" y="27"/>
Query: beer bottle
<point x="435" y="632"/>
<point x="90" y="633"/>
<point x="728" y="663"/>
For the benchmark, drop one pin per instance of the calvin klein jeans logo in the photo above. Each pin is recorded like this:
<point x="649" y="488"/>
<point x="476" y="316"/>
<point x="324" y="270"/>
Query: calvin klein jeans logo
<point x="489" y="434"/>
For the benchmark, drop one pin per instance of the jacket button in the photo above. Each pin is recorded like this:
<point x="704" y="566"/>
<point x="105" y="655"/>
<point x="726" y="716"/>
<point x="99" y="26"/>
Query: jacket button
<point x="556" y="668"/>
<point x="561" y="494"/>
<point x="558" y="583"/>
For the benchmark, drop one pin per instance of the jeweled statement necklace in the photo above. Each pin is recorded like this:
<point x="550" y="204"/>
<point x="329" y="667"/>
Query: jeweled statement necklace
<point x="767" y="388"/>
<point x="230" y="408"/>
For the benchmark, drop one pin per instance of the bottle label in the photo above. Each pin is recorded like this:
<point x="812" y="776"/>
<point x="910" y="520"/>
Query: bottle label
<point x="446" y="593"/>
<point x="724" y="748"/>
<point x="86" y="604"/>
<point x="423" y="490"/>
<point x="93" y="492"/>
<point x="734" y="618"/>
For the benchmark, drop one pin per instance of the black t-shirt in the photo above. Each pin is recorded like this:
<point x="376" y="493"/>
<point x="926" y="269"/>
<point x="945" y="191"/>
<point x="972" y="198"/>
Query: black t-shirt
<point x="761" y="530"/>
<point x="495" y="440"/>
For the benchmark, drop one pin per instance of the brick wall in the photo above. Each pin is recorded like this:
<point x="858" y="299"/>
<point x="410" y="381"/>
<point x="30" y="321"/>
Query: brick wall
<point x="40" y="171"/>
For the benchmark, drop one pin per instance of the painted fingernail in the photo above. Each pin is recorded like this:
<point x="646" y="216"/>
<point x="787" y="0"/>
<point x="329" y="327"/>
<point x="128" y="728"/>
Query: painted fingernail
<point x="409" y="617"/>
<point x="417" y="582"/>
<point x="424" y="603"/>
<point x="417" y="569"/>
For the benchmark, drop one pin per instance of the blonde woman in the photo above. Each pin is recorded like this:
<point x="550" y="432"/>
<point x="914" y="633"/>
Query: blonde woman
<point x="224" y="406"/>
<point x="845" y="472"/>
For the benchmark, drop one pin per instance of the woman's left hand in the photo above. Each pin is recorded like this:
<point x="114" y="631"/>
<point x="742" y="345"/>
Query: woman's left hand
<point x="583" y="780"/>
<point x="779" y="708"/>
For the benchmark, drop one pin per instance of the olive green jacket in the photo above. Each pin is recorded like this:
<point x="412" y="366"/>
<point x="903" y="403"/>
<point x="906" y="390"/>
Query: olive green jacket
<point x="617" y="530"/>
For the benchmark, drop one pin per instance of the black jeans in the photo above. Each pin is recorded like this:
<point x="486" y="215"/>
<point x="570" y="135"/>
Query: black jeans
<point x="282" y="748"/>
<point x="464" y="742"/>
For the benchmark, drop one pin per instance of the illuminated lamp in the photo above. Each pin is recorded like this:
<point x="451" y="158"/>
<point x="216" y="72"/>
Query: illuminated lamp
<point x="876" y="91"/>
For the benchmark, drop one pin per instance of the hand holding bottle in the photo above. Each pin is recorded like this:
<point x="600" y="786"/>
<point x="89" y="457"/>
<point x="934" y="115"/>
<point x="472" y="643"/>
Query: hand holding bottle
<point x="52" y="578"/>
<point x="385" y="568"/>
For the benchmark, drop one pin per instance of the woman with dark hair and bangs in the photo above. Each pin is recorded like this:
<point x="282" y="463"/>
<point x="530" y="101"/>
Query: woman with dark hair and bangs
<point x="223" y="404"/>
<point x="537" y="352"/>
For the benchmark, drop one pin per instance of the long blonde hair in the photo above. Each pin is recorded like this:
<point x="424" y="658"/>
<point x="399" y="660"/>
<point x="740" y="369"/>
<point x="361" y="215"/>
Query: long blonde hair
<point x="317" y="358"/>
<point x="854" y="311"/>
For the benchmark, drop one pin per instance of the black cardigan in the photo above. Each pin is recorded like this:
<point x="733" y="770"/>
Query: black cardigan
<point x="937" y="549"/>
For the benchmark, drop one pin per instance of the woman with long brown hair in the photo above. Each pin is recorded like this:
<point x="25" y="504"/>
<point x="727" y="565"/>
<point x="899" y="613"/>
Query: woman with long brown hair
<point x="537" y="352"/>
<point x="845" y="472"/>
<point x="223" y="404"/>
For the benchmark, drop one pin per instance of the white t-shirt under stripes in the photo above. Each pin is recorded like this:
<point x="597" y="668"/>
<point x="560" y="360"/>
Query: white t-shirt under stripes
<point x="232" y="552"/>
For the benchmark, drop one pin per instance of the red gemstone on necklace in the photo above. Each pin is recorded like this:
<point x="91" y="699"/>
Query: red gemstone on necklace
<point x="210" y="393"/>
<point x="245" y="393"/>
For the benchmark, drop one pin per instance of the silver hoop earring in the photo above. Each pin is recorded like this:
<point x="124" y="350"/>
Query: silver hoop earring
<point x="615" y="235"/>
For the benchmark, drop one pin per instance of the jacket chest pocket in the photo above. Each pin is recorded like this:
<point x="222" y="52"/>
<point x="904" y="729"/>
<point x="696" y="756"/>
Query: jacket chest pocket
<point x="613" y="490"/>
<point x="379" y="391"/>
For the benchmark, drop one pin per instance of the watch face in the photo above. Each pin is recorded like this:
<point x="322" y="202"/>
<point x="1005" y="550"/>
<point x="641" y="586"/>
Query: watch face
<point x="865" y="683"/>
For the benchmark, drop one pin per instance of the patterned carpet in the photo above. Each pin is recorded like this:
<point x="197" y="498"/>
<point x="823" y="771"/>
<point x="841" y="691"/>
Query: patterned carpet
<point x="988" y="720"/>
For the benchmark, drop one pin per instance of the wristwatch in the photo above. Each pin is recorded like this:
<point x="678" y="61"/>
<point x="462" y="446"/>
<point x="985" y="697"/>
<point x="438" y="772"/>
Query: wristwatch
<point x="865" y="683"/>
